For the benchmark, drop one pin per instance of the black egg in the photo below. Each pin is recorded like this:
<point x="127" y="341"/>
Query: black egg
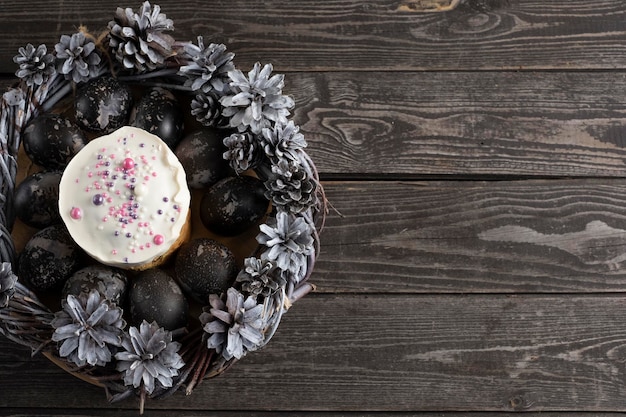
<point x="203" y="267"/>
<point x="201" y="155"/>
<point x="109" y="282"/>
<point x="159" y="113"/>
<point x="103" y="105"/>
<point x="233" y="205"/>
<point x="49" y="258"/>
<point x="155" y="296"/>
<point x="36" y="199"/>
<point x="51" y="141"/>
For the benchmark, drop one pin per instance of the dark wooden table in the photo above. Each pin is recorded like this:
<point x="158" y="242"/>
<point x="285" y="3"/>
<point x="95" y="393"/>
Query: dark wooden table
<point x="473" y="258"/>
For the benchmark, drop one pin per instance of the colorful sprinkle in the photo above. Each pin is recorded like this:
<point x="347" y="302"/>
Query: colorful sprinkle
<point x="128" y="163"/>
<point x="158" y="239"/>
<point x="76" y="213"/>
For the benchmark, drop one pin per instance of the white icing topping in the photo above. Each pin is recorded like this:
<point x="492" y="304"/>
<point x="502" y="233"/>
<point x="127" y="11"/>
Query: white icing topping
<point x="124" y="198"/>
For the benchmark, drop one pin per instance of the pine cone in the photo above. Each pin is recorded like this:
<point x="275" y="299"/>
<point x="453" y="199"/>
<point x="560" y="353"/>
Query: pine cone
<point x="290" y="187"/>
<point x="35" y="65"/>
<point x="241" y="153"/>
<point x="289" y="240"/>
<point x="256" y="101"/>
<point x="88" y="326"/>
<point x="138" y="40"/>
<point x="283" y="141"/>
<point x="206" y="109"/>
<point x="208" y="69"/>
<point x="150" y="358"/>
<point x="77" y="57"/>
<point x="235" y="327"/>
<point x="258" y="277"/>
<point x="7" y="284"/>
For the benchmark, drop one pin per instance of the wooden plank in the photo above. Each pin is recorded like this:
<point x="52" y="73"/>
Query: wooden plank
<point x="13" y="412"/>
<point x="361" y="35"/>
<point x="463" y="124"/>
<point x="399" y="353"/>
<point x="471" y="125"/>
<point x="564" y="236"/>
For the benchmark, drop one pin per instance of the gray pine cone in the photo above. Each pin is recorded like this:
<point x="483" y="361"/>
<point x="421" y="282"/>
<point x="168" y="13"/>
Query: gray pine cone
<point x="258" y="277"/>
<point x="290" y="187"/>
<point x="206" y="109"/>
<point x="138" y="41"/>
<point x="283" y="141"/>
<point x="88" y="326"/>
<point x="240" y="152"/>
<point x="256" y="101"/>
<point x="209" y="67"/>
<point x="150" y="358"/>
<point x="77" y="57"/>
<point x="235" y="327"/>
<point x="289" y="240"/>
<point x="7" y="284"/>
<point x="36" y="65"/>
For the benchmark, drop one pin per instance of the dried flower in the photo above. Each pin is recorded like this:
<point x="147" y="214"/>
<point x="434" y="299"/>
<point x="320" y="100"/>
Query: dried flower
<point x="241" y="151"/>
<point x="256" y="101"/>
<point x="78" y="57"/>
<point x="36" y="65"/>
<point x="234" y="327"/>
<point x="150" y="358"/>
<point x="209" y="67"/>
<point x="290" y="240"/>
<point x="7" y="284"/>
<point x="259" y="277"/>
<point x="88" y="326"/>
<point x="138" y="40"/>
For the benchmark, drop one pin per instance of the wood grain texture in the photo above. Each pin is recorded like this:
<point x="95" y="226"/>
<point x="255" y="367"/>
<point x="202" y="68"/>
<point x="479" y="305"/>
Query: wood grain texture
<point x="474" y="237"/>
<point x="361" y="35"/>
<point x="462" y="124"/>
<point x="416" y="353"/>
<point x="473" y="124"/>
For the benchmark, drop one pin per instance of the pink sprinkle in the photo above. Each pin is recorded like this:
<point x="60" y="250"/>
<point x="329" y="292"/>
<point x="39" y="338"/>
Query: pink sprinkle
<point x="128" y="163"/>
<point x="134" y="250"/>
<point x="154" y="174"/>
<point x="90" y="174"/>
<point x="109" y="200"/>
<point x="105" y="219"/>
<point x="141" y="247"/>
<point x="76" y="213"/>
<point x="158" y="240"/>
<point x="112" y="156"/>
<point x="77" y="180"/>
<point x="114" y="252"/>
<point x="146" y="178"/>
<point x="148" y="245"/>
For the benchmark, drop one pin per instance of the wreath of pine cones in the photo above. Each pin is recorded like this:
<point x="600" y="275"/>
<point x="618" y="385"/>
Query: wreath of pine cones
<point x="89" y="335"/>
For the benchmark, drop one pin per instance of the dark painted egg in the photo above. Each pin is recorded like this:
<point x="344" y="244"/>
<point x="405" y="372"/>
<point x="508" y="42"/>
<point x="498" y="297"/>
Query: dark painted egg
<point x="49" y="258"/>
<point x="51" y="141"/>
<point x="233" y="205"/>
<point x="203" y="267"/>
<point x="201" y="155"/>
<point x="36" y="199"/>
<point x="109" y="282"/>
<point x="103" y="105"/>
<point x="155" y="296"/>
<point x="160" y="113"/>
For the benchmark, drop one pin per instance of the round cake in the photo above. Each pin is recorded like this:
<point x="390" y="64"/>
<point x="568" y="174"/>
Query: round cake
<point x="124" y="199"/>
